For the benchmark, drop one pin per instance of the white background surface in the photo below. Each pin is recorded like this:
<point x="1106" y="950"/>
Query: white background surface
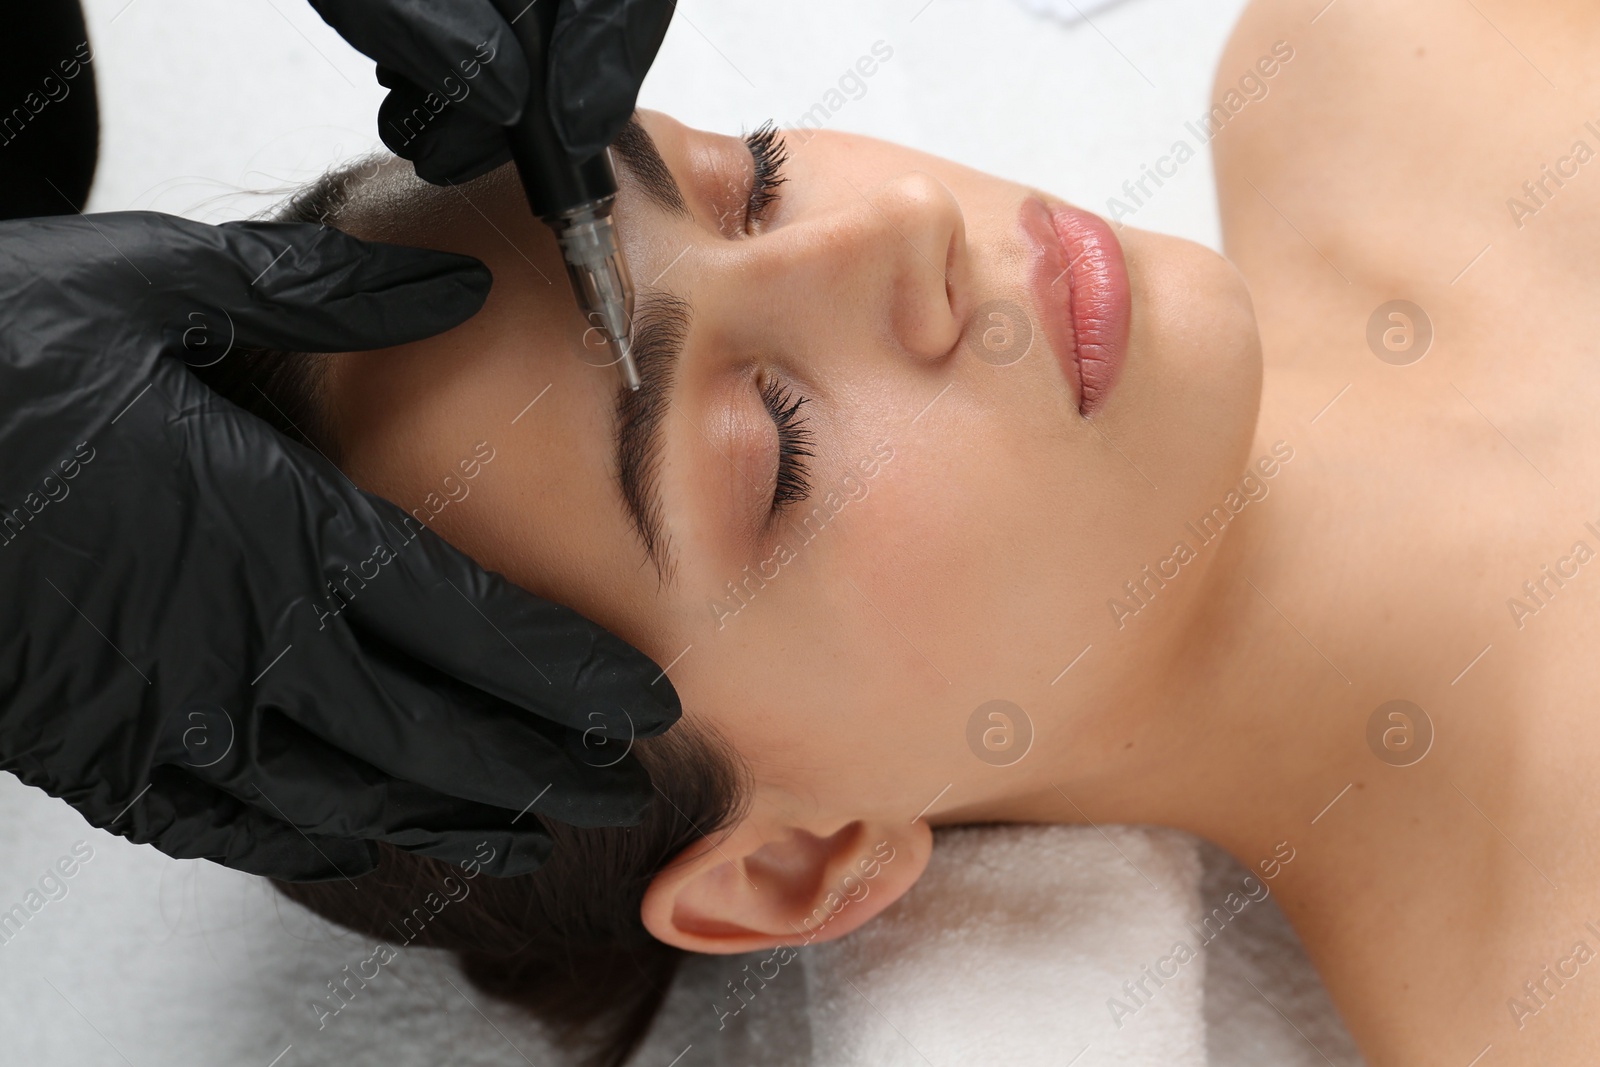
<point x="147" y="961"/>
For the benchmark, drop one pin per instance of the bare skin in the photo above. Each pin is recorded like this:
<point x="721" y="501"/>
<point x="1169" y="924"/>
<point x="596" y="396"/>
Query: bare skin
<point x="1236" y="703"/>
<point x="1417" y="506"/>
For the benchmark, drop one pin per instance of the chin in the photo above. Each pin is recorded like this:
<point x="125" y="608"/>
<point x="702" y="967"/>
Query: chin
<point x="1193" y="378"/>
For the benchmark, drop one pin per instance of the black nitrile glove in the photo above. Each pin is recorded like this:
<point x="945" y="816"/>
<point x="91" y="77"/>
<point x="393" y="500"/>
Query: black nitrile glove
<point x="456" y="74"/>
<point x="213" y="642"/>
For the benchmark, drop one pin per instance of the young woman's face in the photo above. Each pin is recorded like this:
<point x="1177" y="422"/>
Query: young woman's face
<point x="838" y="586"/>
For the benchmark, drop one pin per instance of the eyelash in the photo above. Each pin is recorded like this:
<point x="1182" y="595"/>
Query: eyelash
<point x="793" y="484"/>
<point x="769" y="153"/>
<point x="794" y="445"/>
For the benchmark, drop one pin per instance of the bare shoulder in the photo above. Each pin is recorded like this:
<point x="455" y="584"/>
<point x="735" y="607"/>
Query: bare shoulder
<point x="1446" y="154"/>
<point x="1393" y="135"/>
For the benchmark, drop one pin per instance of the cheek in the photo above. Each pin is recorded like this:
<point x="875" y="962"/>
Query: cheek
<point x="806" y="658"/>
<point x="991" y="558"/>
<point x="821" y="693"/>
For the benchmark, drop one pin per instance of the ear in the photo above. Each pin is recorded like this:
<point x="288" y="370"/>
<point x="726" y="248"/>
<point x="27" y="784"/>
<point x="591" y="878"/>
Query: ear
<point x="772" y="881"/>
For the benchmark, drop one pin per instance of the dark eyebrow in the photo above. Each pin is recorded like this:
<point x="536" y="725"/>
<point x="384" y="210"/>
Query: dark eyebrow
<point x="638" y="152"/>
<point x="660" y="326"/>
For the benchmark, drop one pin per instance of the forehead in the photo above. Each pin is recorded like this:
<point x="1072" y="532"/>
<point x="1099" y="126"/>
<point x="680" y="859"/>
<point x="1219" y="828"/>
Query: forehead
<point x="496" y="433"/>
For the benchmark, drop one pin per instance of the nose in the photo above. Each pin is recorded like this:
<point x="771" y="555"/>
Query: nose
<point x="886" y="262"/>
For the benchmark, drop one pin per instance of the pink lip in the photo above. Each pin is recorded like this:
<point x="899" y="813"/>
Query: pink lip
<point x="1080" y="288"/>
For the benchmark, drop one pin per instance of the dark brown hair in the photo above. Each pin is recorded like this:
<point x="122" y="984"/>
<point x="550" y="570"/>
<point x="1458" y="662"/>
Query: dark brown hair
<point x="565" y="942"/>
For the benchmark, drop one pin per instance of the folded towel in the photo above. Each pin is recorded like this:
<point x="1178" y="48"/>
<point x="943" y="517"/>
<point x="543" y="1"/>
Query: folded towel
<point x="1265" y="1005"/>
<point x="1023" y="945"/>
<point x="1019" y="945"/>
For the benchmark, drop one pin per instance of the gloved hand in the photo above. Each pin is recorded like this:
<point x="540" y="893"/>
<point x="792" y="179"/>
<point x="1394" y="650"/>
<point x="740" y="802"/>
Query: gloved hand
<point x="213" y="641"/>
<point x="456" y="74"/>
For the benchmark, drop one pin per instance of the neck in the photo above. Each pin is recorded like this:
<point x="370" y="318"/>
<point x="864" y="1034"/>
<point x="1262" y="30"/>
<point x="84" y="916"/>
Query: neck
<point x="1251" y="725"/>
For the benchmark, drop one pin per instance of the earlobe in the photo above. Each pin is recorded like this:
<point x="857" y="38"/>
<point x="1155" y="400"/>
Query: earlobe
<point x="768" y="882"/>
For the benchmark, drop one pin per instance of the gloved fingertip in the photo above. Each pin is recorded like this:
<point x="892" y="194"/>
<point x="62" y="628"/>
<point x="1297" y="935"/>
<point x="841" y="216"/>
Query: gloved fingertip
<point x="664" y="710"/>
<point x="470" y="273"/>
<point x="405" y="264"/>
<point x="622" y="677"/>
<point x="650" y="701"/>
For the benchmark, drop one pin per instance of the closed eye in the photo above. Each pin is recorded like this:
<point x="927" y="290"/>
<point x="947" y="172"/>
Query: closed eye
<point x="791" y="483"/>
<point x="768" y="153"/>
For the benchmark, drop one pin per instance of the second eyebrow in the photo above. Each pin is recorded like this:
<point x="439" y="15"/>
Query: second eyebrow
<point x="643" y="160"/>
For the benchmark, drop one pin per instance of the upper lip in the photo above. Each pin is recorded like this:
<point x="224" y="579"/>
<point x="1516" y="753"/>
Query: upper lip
<point x="1061" y="294"/>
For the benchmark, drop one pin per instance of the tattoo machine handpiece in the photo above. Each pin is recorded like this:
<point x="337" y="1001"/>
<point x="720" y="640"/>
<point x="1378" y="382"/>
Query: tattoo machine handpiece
<point x="575" y="198"/>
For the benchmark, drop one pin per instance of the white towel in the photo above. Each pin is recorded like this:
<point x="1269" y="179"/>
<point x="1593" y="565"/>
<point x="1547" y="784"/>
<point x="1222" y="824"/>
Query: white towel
<point x="1014" y="948"/>
<point x="1009" y="950"/>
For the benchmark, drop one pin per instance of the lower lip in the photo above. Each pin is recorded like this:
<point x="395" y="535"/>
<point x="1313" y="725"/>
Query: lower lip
<point x="1080" y="285"/>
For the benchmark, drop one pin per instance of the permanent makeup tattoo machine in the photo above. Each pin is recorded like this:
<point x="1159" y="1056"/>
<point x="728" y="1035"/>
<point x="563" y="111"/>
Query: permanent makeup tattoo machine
<point x="574" y="198"/>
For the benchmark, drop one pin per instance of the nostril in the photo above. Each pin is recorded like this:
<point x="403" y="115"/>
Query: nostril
<point x="949" y="261"/>
<point x="952" y="268"/>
